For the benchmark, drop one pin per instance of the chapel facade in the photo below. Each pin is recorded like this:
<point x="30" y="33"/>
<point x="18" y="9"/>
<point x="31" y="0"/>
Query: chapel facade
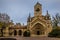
<point x="39" y="24"/>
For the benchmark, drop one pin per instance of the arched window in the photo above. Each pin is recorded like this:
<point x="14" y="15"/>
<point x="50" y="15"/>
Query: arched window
<point x="15" y="32"/>
<point x="20" y="32"/>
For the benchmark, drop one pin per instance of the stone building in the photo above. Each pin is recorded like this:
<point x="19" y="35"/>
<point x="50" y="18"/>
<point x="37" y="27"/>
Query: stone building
<point x="38" y="25"/>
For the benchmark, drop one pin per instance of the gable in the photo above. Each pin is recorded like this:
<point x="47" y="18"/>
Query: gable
<point x="37" y="20"/>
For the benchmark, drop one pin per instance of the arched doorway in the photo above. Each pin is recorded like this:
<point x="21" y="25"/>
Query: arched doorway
<point x="20" y="32"/>
<point x="15" y="32"/>
<point x="37" y="29"/>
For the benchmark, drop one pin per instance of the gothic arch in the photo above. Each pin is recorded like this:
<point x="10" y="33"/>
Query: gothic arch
<point x="39" y="23"/>
<point x="38" y="20"/>
<point x="38" y="28"/>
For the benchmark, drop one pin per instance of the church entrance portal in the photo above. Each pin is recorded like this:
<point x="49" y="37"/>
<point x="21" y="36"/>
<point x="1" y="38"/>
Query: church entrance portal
<point x="38" y="29"/>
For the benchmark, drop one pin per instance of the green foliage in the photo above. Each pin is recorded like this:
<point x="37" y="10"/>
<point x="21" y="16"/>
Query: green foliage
<point x="56" y="20"/>
<point x="54" y="33"/>
<point x="1" y="24"/>
<point x="2" y="27"/>
<point x="26" y="34"/>
<point x="56" y="30"/>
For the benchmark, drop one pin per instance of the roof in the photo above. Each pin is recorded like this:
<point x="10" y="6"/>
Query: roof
<point x="16" y="27"/>
<point x="38" y="4"/>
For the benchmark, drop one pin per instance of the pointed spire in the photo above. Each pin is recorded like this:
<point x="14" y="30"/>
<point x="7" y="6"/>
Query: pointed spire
<point x="47" y="12"/>
<point x="29" y="18"/>
<point x="29" y="15"/>
<point x="47" y="15"/>
<point x="38" y="3"/>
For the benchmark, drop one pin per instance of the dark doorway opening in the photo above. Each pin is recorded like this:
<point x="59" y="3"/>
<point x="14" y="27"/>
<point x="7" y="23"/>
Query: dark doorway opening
<point x="38" y="32"/>
<point x="20" y="32"/>
<point x="15" y="32"/>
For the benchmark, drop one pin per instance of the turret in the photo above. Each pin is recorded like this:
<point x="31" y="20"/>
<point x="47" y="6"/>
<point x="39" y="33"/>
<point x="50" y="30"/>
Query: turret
<point x="29" y="18"/>
<point x="37" y="9"/>
<point x="48" y="16"/>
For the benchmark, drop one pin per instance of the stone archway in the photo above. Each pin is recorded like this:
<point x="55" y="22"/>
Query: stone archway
<point x="15" y="32"/>
<point x="20" y="32"/>
<point x="38" y="29"/>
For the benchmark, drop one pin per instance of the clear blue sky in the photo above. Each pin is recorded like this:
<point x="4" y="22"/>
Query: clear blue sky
<point x="18" y="10"/>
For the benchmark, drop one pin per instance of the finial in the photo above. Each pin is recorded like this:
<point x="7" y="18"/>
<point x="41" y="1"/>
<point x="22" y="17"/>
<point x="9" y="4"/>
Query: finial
<point x="29" y="17"/>
<point x="37" y="2"/>
<point x="47" y="15"/>
<point x="47" y="11"/>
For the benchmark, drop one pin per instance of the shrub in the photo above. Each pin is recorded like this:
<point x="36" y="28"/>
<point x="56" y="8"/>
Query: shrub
<point x="54" y="33"/>
<point x="26" y="34"/>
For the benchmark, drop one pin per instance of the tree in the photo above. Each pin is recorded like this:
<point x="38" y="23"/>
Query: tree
<point x="2" y="28"/>
<point x="56" y="20"/>
<point x="55" y="33"/>
<point x="56" y="30"/>
<point x="26" y="33"/>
